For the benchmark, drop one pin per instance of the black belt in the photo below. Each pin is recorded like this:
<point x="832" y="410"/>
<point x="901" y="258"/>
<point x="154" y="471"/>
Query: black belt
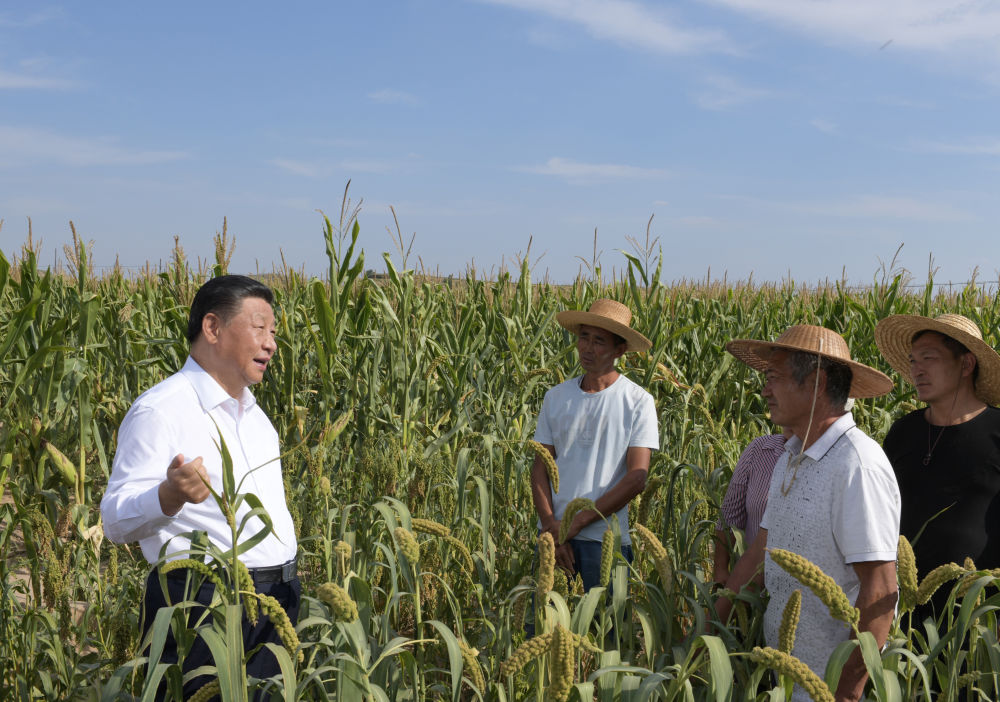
<point x="284" y="573"/>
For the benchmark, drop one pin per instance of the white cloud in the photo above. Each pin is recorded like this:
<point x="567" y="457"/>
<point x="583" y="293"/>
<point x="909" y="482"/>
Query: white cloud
<point x="34" y="205"/>
<point x="824" y="125"/>
<point x="462" y="208"/>
<point x="903" y="207"/>
<point x="699" y="221"/>
<point x="896" y="207"/>
<point x="981" y="147"/>
<point x="302" y="168"/>
<point x="393" y="97"/>
<point x="548" y="38"/>
<point x="627" y="23"/>
<point x="722" y="93"/>
<point x="896" y="101"/>
<point x="311" y="169"/>
<point x="32" y="20"/>
<point x="303" y="204"/>
<point x="577" y="172"/>
<point x="909" y="24"/>
<point x="340" y="143"/>
<point x="26" y="81"/>
<point x="20" y="145"/>
<point x="368" y="165"/>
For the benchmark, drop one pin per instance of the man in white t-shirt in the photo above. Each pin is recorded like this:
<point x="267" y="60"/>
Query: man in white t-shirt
<point x="833" y="498"/>
<point x="601" y="429"/>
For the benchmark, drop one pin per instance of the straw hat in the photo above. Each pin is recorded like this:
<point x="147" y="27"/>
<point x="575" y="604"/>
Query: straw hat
<point x="894" y="336"/>
<point x="865" y="381"/>
<point x="608" y="315"/>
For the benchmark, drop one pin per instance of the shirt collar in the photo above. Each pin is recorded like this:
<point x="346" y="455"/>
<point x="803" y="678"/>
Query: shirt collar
<point x="209" y="392"/>
<point x="826" y="441"/>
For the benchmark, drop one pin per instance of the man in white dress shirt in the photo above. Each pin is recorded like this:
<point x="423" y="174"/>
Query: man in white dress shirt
<point x="167" y="452"/>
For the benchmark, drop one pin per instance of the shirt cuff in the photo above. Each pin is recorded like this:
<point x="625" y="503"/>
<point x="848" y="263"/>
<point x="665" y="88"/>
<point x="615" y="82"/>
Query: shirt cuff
<point x="149" y="503"/>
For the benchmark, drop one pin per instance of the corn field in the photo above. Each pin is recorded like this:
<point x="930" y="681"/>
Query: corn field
<point x="405" y="405"/>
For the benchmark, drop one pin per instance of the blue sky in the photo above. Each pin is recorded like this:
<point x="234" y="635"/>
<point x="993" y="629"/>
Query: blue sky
<point x="764" y="137"/>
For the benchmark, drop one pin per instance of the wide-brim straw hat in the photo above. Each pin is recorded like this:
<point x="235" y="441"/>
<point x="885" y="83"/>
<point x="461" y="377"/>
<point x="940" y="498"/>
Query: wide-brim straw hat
<point x="609" y="315"/>
<point x="865" y="381"/>
<point x="894" y="336"/>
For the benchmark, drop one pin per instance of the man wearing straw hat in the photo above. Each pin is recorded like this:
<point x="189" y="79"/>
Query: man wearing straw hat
<point x="833" y="498"/>
<point x="947" y="454"/>
<point x="601" y="429"/>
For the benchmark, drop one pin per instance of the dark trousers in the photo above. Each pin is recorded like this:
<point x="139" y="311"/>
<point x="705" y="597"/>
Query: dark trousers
<point x="586" y="564"/>
<point x="180" y="587"/>
<point x="587" y="560"/>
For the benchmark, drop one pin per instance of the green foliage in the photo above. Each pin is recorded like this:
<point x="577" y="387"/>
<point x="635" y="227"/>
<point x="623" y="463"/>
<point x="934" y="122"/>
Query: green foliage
<point x="400" y="397"/>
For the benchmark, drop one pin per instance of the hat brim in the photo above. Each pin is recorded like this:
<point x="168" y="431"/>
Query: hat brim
<point x="865" y="380"/>
<point x="894" y="335"/>
<point x="572" y="319"/>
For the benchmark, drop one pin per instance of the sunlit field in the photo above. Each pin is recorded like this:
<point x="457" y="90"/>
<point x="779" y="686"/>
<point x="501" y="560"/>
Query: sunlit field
<point x="405" y="405"/>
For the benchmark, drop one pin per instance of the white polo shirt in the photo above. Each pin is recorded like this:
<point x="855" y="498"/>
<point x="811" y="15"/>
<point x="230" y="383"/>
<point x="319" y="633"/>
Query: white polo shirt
<point x="841" y="508"/>
<point x="176" y="416"/>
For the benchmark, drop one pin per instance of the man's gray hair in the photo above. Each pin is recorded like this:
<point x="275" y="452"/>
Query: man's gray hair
<point x="838" y="375"/>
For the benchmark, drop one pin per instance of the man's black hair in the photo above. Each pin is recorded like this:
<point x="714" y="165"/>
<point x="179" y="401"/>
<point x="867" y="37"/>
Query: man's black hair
<point x="224" y="297"/>
<point x="838" y="375"/>
<point x="956" y="347"/>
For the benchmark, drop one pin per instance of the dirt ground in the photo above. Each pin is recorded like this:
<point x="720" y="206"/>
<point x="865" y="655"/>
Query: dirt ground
<point x="16" y="557"/>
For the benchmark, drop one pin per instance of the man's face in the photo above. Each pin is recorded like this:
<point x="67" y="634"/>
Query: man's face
<point x="597" y="348"/>
<point x="788" y="401"/>
<point x="936" y="372"/>
<point x="246" y="344"/>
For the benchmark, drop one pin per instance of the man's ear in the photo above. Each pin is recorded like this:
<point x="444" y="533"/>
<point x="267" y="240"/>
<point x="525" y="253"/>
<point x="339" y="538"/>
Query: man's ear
<point x="968" y="363"/>
<point x="821" y="383"/>
<point x="211" y="323"/>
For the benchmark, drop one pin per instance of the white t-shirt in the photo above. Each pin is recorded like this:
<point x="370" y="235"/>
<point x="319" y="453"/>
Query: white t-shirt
<point x="842" y="508"/>
<point x="591" y="433"/>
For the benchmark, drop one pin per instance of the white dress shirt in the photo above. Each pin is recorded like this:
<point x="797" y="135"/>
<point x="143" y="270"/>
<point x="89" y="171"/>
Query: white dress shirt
<point x="176" y="416"/>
